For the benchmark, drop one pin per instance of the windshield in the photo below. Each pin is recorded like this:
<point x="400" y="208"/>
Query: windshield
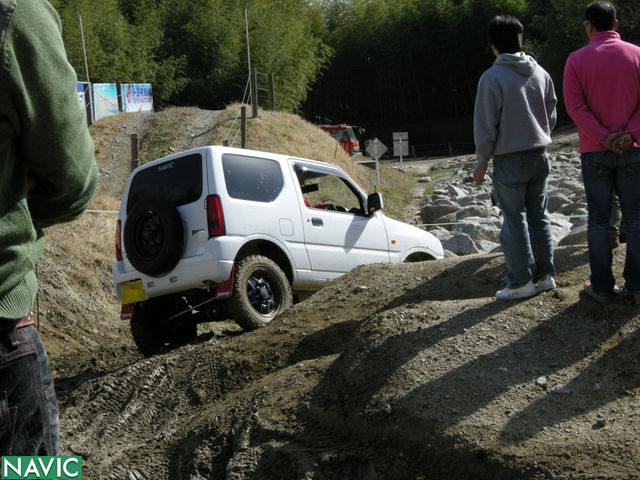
<point x="352" y="136"/>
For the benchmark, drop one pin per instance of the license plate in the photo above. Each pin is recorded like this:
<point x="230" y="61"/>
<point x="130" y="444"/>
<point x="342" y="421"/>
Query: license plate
<point x="131" y="292"/>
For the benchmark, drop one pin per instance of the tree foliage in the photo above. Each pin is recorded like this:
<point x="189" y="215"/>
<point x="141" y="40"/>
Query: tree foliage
<point x="194" y="51"/>
<point x="408" y="59"/>
<point x="359" y="61"/>
<point x="412" y="60"/>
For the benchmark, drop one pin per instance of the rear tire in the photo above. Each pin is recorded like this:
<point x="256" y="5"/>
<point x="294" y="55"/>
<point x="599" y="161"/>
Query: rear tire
<point x="261" y="292"/>
<point x="152" y="331"/>
<point x="145" y="328"/>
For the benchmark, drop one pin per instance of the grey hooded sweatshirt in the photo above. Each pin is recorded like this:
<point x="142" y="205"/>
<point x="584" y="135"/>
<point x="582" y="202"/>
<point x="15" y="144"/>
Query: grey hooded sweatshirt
<point x="515" y="107"/>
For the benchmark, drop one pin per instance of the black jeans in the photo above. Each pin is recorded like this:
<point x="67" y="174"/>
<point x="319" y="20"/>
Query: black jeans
<point x="28" y="408"/>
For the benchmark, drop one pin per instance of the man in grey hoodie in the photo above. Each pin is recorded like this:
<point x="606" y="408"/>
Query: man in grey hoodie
<point x="515" y="111"/>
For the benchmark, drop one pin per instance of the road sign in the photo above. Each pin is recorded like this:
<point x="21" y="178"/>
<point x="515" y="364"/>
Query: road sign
<point x="400" y="144"/>
<point x="376" y="148"/>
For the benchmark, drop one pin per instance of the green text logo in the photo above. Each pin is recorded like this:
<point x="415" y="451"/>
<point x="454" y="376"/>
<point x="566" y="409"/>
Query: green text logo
<point x="44" y="468"/>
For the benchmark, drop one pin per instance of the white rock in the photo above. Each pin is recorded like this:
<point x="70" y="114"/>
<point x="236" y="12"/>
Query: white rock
<point x="577" y="236"/>
<point x="480" y="231"/>
<point x="456" y="191"/>
<point x="460" y="244"/>
<point x="556" y="201"/>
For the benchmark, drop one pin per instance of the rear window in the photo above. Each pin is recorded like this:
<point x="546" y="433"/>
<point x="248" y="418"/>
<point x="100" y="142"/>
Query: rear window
<point x="178" y="180"/>
<point x="252" y="178"/>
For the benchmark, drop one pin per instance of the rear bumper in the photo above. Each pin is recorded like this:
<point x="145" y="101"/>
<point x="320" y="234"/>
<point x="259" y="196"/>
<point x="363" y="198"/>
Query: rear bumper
<point x="205" y="270"/>
<point x="189" y="273"/>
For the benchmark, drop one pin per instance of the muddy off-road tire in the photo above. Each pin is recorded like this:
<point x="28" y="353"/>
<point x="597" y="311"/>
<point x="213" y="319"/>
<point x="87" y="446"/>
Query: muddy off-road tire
<point x="145" y="329"/>
<point x="260" y="293"/>
<point x="153" y="236"/>
<point x="151" y="331"/>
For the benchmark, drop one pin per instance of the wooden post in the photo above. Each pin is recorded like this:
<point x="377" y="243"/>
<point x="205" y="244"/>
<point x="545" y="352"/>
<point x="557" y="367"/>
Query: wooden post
<point x="254" y="92"/>
<point x="272" y="92"/>
<point x="134" y="151"/>
<point x="119" y="97"/>
<point x="243" y="127"/>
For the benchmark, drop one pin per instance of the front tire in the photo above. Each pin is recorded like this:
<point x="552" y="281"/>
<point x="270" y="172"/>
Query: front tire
<point x="261" y="292"/>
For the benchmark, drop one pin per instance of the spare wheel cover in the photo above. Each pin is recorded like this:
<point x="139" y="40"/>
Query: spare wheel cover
<point x="154" y="236"/>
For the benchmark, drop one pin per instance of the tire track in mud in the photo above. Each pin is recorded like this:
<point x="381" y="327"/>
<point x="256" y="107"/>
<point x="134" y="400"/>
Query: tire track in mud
<point x="119" y="422"/>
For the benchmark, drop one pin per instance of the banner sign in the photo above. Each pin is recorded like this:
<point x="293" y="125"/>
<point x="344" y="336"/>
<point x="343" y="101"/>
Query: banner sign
<point x="136" y="97"/>
<point x="84" y="97"/>
<point x="105" y="96"/>
<point x="81" y="88"/>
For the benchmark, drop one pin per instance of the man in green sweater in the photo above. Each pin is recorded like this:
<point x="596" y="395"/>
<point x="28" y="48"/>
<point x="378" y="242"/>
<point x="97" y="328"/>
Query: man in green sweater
<point x="47" y="175"/>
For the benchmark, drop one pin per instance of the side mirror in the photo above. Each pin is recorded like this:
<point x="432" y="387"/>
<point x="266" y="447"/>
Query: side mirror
<point x="374" y="203"/>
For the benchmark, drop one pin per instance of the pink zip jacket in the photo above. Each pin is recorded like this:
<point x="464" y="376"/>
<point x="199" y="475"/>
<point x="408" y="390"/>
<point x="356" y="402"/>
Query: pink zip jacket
<point x="602" y="89"/>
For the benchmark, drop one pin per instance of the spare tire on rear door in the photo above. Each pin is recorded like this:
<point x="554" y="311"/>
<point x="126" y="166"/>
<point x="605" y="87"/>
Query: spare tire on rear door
<point x="153" y="236"/>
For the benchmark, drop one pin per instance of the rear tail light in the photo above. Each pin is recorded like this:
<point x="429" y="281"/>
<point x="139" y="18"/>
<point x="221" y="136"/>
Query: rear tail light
<point x="126" y="312"/>
<point x="118" y="241"/>
<point x="215" y="217"/>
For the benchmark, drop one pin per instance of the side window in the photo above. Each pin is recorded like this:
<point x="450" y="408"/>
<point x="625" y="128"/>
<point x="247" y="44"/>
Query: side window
<point x="252" y="178"/>
<point x="178" y="180"/>
<point x="341" y="135"/>
<point x="327" y="191"/>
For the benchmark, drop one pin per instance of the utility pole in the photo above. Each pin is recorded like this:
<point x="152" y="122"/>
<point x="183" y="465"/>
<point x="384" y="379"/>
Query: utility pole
<point x="84" y="50"/>
<point x="246" y="32"/>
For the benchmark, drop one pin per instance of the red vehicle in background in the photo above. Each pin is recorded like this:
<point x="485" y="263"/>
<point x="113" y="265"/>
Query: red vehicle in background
<point x="345" y="136"/>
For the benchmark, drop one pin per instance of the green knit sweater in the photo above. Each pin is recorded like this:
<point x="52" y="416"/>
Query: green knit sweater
<point x="43" y="137"/>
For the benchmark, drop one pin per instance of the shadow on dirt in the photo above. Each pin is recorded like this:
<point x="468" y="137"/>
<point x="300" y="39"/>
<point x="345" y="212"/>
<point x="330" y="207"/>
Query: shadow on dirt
<point x="613" y="375"/>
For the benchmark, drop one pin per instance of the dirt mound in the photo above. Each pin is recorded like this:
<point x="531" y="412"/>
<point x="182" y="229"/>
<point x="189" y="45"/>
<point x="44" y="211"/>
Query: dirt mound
<point x="406" y="371"/>
<point x="392" y="371"/>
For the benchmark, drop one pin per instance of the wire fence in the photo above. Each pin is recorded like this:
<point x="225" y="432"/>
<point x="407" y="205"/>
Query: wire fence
<point x="251" y="98"/>
<point x="235" y="128"/>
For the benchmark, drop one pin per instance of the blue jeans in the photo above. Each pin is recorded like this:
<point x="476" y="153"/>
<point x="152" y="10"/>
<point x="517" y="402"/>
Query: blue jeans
<point x="520" y="184"/>
<point x="28" y="408"/>
<point x="603" y="173"/>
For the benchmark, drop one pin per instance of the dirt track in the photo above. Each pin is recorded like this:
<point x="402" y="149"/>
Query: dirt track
<point x="409" y="371"/>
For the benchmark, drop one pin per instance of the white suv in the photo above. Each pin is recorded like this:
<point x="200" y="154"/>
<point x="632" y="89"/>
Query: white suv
<point x="254" y="229"/>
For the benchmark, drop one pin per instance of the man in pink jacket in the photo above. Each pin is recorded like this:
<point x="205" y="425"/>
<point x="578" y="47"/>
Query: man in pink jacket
<point x="602" y="96"/>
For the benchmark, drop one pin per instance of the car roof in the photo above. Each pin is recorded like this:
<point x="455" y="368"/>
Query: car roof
<point x="221" y="150"/>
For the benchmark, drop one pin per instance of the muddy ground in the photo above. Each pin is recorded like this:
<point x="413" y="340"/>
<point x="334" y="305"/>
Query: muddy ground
<point x="390" y="372"/>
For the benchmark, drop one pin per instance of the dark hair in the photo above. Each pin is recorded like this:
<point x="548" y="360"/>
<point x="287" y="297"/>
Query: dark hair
<point x="602" y="15"/>
<point x="505" y="33"/>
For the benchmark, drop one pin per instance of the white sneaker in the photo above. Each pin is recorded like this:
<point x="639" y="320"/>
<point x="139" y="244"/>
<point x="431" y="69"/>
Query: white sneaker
<point x="525" y="291"/>
<point x="545" y="283"/>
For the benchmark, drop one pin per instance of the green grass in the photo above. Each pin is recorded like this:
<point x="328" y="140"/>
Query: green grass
<point x="166" y="128"/>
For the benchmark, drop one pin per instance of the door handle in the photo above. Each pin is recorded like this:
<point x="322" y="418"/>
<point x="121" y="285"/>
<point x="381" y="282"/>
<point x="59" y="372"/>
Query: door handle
<point x="316" y="222"/>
